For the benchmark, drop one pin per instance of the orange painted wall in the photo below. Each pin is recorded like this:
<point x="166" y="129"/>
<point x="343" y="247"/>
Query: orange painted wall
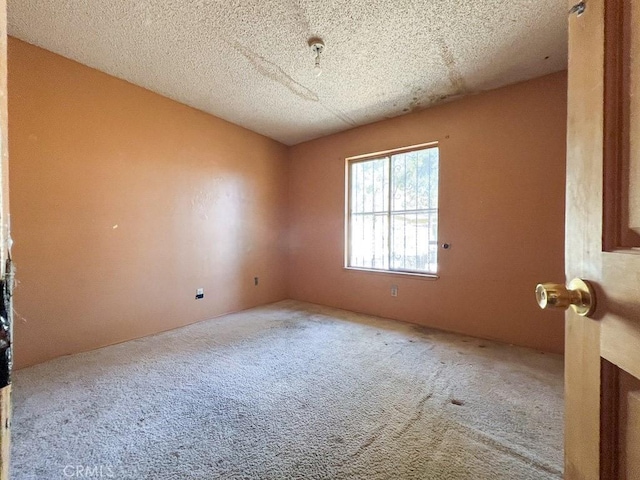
<point x="502" y="168"/>
<point x="124" y="202"/>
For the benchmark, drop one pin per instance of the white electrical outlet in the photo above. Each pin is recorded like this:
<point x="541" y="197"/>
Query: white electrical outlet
<point x="199" y="293"/>
<point x="394" y="290"/>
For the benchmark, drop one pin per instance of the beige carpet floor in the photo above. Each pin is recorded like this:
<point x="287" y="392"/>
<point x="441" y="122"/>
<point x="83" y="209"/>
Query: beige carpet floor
<point x="292" y="391"/>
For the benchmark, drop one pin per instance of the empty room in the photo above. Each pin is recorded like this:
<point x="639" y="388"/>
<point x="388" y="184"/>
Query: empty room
<point x="320" y="240"/>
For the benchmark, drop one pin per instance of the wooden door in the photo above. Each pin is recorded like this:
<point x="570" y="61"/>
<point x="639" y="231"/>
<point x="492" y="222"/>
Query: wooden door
<point x="602" y="386"/>
<point x="6" y="273"/>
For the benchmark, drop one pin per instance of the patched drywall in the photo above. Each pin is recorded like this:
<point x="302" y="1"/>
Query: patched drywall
<point x="249" y="62"/>
<point x="123" y="203"/>
<point x="502" y="176"/>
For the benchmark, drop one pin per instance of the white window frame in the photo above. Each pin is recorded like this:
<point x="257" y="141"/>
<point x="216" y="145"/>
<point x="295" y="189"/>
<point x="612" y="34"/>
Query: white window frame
<point x="349" y="161"/>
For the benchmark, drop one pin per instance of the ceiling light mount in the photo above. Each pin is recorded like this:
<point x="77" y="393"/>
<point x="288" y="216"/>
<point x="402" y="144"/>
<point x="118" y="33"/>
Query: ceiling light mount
<point x="317" y="47"/>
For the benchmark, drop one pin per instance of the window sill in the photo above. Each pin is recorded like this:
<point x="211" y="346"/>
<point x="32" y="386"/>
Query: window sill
<point x="421" y="276"/>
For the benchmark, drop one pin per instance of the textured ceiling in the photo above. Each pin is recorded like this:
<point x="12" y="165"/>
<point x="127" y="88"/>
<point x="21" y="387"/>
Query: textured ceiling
<point x="248" y="61"/>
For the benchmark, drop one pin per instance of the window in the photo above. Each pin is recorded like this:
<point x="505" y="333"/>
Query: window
<point x="392" y="219"/>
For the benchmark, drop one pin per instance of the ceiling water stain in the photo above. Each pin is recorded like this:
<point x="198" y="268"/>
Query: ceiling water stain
<point x="455" y="77"/>
<point x="270" y="70"/>
<point x="458" y="88"/>
<point x="302" y="19"/>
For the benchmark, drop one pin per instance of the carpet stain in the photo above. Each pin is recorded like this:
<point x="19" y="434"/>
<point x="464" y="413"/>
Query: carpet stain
<point x="293" y="390"/>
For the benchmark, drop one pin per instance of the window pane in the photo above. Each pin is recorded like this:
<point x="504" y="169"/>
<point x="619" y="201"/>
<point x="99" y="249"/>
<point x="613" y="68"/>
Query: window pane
<point x="414" y="245"/>
<point x="410" y="242"/>
<point x="369" y="241"/>
<point x="369" y="186"/>
<point x="427" y="179"/>
<point x="356" y="194"/>
<point x="404" y="181"/>
<point x="414" y="183"/>
<point x="432" y="162"/>
<point x="398" y="182"/>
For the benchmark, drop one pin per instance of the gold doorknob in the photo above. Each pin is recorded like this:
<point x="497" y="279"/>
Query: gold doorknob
<point x="579" y="295"/>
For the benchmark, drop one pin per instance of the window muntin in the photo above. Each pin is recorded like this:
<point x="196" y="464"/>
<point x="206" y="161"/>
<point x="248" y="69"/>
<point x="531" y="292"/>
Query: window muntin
<point x="393" y="212"/>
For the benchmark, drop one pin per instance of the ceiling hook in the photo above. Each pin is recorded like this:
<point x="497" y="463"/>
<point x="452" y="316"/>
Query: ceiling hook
<point x="317" y="47"/>
<point x="578" y="8"/>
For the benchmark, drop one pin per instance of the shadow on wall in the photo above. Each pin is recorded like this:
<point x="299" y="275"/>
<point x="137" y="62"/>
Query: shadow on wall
<point x="124" y="203"/>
